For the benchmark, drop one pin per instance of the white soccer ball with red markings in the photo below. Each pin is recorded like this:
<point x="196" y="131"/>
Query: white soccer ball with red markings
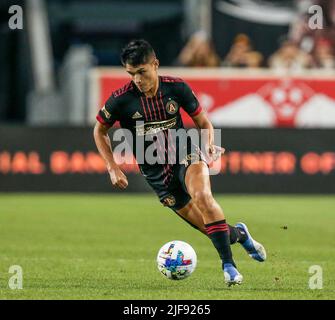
<point x="176" y="260"/>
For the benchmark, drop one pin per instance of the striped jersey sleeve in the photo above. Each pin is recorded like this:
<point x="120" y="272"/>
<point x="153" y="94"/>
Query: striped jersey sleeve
<point x="109" y="113"/>
<point x="190" y="102"/>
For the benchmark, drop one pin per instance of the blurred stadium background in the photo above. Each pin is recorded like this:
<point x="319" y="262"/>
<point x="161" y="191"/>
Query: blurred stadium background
<point x="260" y="71"/>
<point x="268" y="77"/>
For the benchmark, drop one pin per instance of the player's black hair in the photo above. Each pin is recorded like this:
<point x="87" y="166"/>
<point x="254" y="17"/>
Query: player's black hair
<point x="137" y="52"/>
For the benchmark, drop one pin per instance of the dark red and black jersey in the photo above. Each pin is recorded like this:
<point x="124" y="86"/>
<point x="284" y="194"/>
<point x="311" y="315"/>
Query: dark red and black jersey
<point x="152" y="116"/>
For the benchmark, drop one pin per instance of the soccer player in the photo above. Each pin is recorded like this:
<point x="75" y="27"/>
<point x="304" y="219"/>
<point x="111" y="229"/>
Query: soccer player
<point x="149" y="105"/>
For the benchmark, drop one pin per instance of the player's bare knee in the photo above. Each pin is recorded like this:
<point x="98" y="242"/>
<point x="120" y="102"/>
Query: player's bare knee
<point x="204" y="200"/>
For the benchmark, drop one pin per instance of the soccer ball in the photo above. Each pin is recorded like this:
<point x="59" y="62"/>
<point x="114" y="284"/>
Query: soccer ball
<point x="176" y="260"/>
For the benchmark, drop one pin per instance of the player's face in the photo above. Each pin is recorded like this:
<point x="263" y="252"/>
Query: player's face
<point x="144" y="75"/>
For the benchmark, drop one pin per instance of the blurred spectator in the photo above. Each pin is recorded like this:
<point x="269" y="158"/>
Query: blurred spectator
<point x="242" y="55"/>
<point x="199" y="51"/>
<point x="290" y="56"/>
<point x="323" y="54"/>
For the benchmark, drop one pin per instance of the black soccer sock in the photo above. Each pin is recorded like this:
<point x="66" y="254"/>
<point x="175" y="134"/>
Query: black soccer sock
<point x="236" y="235"/>
<point x="218" y="232"/>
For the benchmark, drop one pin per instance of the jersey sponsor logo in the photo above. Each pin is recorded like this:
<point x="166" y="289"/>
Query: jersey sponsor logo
<point x="136" y="115"/>
<point x="155" y="127"/>
<point x="171" y="107"/>
<point x="169" y="201"/>
<point x="106" y="113"/>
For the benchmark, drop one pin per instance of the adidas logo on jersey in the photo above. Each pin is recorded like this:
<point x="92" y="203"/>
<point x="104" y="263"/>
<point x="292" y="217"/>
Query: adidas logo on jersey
<point x="137" y="115"/>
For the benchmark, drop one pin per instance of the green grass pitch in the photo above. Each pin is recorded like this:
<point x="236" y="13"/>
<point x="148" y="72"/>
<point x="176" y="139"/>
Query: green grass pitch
<point x="104" y="247"/>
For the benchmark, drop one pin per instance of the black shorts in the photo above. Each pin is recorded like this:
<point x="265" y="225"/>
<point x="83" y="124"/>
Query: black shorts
<point x="175" y="195"/>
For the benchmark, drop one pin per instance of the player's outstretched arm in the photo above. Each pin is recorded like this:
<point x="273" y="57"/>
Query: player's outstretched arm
<point x="104" y="146"/>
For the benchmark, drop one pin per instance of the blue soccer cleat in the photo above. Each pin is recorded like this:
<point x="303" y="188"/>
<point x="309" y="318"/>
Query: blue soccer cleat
<point x="254" y="249"/>
<point x="231" y="275"/>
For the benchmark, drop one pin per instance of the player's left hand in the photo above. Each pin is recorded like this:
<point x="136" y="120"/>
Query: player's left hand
<point x="214" y="152"/>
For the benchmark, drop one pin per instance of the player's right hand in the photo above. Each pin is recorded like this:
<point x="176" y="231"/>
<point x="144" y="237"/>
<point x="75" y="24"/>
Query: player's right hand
<point x="118" y="178"/>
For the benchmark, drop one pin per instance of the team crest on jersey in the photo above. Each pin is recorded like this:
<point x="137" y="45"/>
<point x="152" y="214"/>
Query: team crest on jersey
<point x="169" y="201"/>
<point x="107" y="114"/>
<point x="172" y="107"/>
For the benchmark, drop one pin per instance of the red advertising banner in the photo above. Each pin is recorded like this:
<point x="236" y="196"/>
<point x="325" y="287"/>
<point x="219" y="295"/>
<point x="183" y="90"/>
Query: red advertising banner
<point x="235" y="98"/>
<point x="61" y="162"/>
<point x="256" y="161"/>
